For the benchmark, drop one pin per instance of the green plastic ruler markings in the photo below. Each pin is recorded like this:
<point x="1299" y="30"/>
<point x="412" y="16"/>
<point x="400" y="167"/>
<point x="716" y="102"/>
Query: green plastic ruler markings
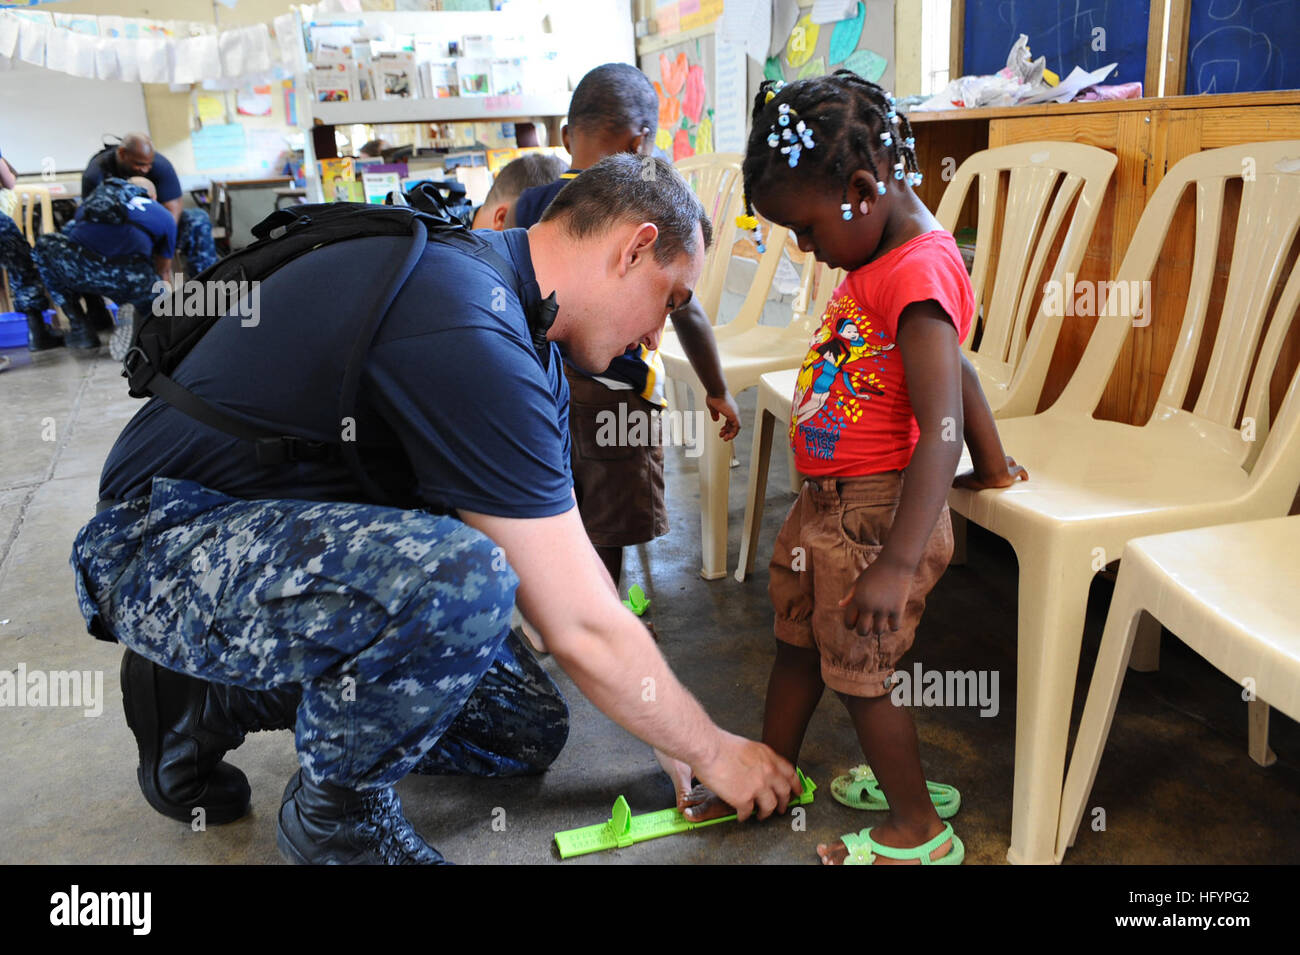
<point x="624" y="829"/>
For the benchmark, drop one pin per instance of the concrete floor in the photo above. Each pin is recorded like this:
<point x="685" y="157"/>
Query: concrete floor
<point x="1176" y="783"/>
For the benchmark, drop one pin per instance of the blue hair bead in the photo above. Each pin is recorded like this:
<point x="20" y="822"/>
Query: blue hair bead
<point x="909" y="142"/>
<point x="773" y="140"/>
<point x="846" y="211"/>
<point x="784" y="119"/>
<point x="761" y="247"/>
<point x="919" y="177"/>
<point x="886" y="139"/>
<point x="880" y="188"/>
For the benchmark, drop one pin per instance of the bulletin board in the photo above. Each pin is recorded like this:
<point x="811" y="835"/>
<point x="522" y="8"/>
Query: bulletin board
<point x="684" y="72"/>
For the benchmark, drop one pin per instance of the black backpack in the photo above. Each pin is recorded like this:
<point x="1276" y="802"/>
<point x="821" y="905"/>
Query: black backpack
<point x="108" y="203"/>
<point x="160" y="343"/>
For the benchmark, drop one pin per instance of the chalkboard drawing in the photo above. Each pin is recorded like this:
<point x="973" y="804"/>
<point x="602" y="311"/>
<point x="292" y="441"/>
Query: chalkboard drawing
<point x="845" y="36"/>
<point x="1248" y="70"/>
<point x="867" y="64"/>
<point x="803" y="41"/>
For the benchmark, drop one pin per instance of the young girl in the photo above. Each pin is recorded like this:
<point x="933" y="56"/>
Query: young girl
<point x="876" y="426"/>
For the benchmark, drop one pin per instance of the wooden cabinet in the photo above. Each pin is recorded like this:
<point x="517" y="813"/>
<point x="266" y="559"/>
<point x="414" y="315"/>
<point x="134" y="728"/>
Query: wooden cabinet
<point x="1148" y="136"/>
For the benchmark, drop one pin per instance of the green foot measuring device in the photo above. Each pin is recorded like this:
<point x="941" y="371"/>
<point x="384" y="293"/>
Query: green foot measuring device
<point x="624" y="829"/>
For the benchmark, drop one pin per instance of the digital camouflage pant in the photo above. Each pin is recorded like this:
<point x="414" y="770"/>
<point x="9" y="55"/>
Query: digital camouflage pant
<point x="194" y="240"/>
<point x="16" y="259"/>
<point x="394" y="624"/>
<point x="71" y="270"/>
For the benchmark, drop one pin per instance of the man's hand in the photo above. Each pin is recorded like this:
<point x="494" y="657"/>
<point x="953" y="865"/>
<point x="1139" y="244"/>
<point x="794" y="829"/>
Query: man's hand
<point x="750" y="777"/>
<point x="725" y="406"/>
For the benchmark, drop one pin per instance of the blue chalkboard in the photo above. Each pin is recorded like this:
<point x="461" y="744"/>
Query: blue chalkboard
<point x="1241" y="46"/>
<point x="1063" y="31"/>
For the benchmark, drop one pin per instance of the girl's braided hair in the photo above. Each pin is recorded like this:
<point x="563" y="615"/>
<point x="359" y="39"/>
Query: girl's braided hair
<point x="848" y="118"/>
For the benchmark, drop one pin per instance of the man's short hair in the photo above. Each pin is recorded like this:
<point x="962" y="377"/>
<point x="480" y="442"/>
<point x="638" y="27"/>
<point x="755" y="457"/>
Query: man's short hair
<point x="613" y="98"/>
<point x="534" y="169"/>
<point x="625" y="188"/>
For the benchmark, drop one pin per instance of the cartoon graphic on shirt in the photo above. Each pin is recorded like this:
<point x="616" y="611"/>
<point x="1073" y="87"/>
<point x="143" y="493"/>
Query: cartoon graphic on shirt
<point x="839" y="352"/>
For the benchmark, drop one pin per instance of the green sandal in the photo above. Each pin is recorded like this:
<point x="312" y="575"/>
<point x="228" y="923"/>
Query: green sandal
<point x="859" y="790"/>
<point x="863" y="849"/>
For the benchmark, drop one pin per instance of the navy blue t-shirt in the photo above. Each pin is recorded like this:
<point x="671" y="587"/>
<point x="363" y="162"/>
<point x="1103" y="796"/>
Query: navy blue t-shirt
<point x="454" y="409"/>
<point x="149" y="230"/>
<point x="532" y="202"/>
<point x="103" y="165"/>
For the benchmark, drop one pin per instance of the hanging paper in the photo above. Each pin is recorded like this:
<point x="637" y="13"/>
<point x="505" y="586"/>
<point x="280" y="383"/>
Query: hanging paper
<point x="8" y="34"/>
<point x="867" y="64"/>
<point x="81" y="54"/>
<point x="803" y="40"/>
<point x="254" y="101"/>
<point x="211" y="109"/>
<point x="128" y="60"/>
<point x="845" y="36"/>
<point x="828" y="11"/>
<point x="31" y="42"/>
<point x="155" y="54"/>
<point x="729" y="97"/>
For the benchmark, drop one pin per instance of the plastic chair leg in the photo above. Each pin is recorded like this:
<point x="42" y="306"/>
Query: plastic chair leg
<point x="1257" y="734"/>
<point x="1117" y="641"/>
<point x="1146" y="648"/>
<point x="1053" y="601"/>
<point x="759" y="459"/>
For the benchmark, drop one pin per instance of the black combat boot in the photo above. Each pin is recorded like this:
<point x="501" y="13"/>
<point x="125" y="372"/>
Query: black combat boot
<point x="328" y="825"/>
<point x="80" y="334"/>
<point x="183" y="726"/>
<point x="39" y="336"/>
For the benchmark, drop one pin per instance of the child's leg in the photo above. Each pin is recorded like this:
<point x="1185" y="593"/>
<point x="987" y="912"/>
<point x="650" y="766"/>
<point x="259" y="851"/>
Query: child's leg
<point x="612" y="558"/>
<point x="888" y="738"/>
<point x="793" y="691"/>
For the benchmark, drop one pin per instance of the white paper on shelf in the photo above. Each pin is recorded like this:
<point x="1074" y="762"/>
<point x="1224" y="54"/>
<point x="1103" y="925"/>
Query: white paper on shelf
<point x="1070" y="87"/>
<point x="831" y="11"/>
<point x="128" y="59"/>
<point x="8" y="34"/>
<point x="82" y="47"/>
<point x="31" y="41"/>
<point x="730" y="97"/>
<point x="106" y="65"/>
<point x="155" y="59"/>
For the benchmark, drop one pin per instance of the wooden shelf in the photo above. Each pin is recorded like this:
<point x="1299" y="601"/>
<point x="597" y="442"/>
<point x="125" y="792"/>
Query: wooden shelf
<point x="1202" y="101"/>
<point x="449" y="110"/>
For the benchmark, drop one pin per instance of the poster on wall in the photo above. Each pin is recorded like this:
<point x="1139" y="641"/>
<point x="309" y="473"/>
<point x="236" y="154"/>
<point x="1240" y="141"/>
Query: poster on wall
<point x="681" y="75"/>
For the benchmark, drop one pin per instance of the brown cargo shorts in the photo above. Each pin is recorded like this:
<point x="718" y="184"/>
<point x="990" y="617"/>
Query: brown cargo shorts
<point x="835" y="529"/>
<point x="619" y="485"/>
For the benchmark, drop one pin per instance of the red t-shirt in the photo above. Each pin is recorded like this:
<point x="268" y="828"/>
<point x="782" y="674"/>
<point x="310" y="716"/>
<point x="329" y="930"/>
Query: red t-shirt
<point x="852" y="414"/>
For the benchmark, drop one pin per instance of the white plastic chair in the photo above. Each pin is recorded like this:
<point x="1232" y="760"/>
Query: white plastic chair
<point x="1229" y="593"/>
<point x="1096" y="485"/>
<point x="747" y="351"/>
<point x="1012" y="358"/>
<point x="715" y="177"/>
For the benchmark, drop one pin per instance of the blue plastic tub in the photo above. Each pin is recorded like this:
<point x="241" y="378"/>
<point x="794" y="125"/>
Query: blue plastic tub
<point x="13" y="326"/>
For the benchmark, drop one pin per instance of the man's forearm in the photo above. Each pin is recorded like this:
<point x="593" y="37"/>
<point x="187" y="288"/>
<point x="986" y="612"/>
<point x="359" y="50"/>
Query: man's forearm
<point x="163" y="267"/>
<point x="696" y="335"/>
<point x="981" y="432"/>
<point x="7" y="177"/>
<point x="175" y="206"/>
<point x="617" y="666"/>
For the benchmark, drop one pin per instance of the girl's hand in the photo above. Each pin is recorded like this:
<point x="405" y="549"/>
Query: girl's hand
<point x="1009" y="475"/>
<point x="876" y="603"/>
<point x="726" y="406"/>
